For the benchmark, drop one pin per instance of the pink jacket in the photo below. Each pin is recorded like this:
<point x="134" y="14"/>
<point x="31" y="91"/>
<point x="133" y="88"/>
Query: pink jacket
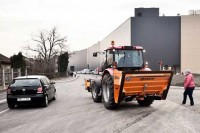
<point x="189" y="81"/>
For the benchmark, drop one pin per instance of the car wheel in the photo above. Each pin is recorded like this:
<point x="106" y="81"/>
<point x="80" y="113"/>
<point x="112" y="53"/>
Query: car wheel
<point x="55" y="96"/>
<point x="11" y="106"/>
<point x="45" y="102"/>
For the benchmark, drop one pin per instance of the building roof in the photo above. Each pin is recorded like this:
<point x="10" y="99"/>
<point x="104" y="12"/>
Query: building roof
<point x="4" y="59"/>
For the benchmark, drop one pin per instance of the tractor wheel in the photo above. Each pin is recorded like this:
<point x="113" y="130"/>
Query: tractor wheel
<point x="146" y="102"/>
<point x="95" y="90"/>
<point x="108" y="92"/>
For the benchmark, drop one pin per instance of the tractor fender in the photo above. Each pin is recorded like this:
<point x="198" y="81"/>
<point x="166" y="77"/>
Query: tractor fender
<point x="108" y="70"/>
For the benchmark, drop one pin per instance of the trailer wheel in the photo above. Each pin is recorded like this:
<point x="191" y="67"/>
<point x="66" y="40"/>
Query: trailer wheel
<point x="146" y="102"/>
<point x="108" y="92"/>
<point x="95" y="90"/>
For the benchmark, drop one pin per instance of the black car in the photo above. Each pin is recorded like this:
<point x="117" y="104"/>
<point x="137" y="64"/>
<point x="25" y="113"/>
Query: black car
<point x="33" y="89"/>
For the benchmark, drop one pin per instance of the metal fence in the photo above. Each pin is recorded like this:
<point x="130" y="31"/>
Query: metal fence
<point x="7" y="75"/>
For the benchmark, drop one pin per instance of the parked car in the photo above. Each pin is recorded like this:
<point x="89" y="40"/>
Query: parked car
<point x="79" y="72"/>
<point x="85" y="71"/>
<point x="35" y="89"/>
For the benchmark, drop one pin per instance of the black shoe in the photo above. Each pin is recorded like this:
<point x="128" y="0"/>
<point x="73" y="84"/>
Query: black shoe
<point x="192" y="104"/>
<point x="183" y="103"/>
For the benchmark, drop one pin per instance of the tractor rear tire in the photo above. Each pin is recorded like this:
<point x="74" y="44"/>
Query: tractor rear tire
<point x="146" y="102"/>
<point x="95" y="90"/>
<point x="108" y="92"/>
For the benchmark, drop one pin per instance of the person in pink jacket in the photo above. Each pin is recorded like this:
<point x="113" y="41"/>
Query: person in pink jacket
<point x="189" y="86"/>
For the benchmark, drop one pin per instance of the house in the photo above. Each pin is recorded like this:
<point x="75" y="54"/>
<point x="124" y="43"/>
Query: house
<point x="5" y="62"/>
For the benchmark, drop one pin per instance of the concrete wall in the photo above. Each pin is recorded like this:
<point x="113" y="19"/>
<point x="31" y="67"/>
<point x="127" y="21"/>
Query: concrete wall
<point x="121" y="36"/>
<point x="160" y="37"/>
<point x="190" y="43"/>
<point x="93" y="62"/>
<point x="78" y="60"/>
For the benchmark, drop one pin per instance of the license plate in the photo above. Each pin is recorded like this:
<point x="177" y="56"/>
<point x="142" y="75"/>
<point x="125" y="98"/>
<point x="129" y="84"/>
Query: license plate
<point x="23" y="99"/>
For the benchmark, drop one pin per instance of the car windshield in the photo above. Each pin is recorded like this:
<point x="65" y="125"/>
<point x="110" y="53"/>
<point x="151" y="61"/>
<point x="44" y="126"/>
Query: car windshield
<point x="25" y="82"/>
<point x="129" y="58"/>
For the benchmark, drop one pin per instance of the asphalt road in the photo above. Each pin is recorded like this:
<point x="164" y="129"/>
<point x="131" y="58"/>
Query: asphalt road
<point x="75" y="112"/>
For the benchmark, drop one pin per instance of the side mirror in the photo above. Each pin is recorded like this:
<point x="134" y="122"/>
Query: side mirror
<point x="52" y="82"/>
<point x="95" y="54"/>
<point x="46" y="87"/>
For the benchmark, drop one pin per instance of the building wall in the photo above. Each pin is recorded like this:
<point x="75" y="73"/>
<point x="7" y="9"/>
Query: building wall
<point x="190" y="43"/>
<point x="146" y="12"/>
<point x="160" y="37"/>
<point x="6" y="66"/>
<point x="121" y="36"/>
<point x="93" y="62"/>
<point x="78" y="60"/>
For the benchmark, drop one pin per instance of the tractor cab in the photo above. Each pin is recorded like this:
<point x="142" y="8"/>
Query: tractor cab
<point x="123" y="58"/>
<point x="126" y="57"/>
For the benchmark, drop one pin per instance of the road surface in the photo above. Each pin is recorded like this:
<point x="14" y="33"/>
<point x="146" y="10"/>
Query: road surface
<point x="75" y="112"/>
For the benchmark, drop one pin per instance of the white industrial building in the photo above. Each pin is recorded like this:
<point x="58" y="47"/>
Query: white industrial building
<point x="172" y="40"/>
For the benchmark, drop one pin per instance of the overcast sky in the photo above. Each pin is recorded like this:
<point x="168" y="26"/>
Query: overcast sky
<point x="84" y="22"/>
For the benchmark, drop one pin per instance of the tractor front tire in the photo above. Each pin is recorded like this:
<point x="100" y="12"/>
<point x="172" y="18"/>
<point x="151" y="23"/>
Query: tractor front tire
<point x="108" y="92"/>
<point x="95" y="90"/>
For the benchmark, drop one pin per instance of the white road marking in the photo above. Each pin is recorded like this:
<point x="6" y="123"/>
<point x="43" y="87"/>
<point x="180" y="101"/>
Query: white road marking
<point x="3" y="101"/>
<point x="4" y="111"/>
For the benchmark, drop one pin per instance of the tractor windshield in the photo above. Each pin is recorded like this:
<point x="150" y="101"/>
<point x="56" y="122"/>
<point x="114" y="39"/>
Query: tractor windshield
<point x="129" y="58"/>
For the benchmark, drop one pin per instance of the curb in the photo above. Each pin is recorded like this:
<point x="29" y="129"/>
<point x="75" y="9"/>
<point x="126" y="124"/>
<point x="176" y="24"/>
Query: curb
<point x="73" y="79"/>
<point x="179" y="87"/>
<point x="3" y="101"/>
<point x="68" y="80"/>
<point x="1" y="90"/>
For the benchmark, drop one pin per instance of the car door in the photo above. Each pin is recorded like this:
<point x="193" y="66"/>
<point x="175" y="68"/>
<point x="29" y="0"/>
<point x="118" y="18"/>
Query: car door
<point x="46" y="87"/>
<point x="51" y="88"/>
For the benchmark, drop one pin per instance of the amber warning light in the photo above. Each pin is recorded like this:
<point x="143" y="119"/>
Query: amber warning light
<point x="112" y="43"/>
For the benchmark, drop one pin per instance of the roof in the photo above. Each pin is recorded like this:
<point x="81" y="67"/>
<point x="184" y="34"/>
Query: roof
<point x="31" y="77"/>
<point x="126" y="47"/>
<point x="4" y="59"/>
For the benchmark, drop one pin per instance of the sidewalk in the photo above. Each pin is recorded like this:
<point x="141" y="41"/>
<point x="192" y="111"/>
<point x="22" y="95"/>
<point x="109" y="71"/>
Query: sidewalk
<point x="2" y="89"/>
<point x="66" y="79"/>
<point x="179" y="87"/>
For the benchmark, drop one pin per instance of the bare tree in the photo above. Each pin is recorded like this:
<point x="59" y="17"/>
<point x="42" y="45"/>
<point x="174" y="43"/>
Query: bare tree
<point x="48" y="44"/>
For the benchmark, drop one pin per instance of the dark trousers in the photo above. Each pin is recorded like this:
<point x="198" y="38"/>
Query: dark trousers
<point x="189" y="92"/>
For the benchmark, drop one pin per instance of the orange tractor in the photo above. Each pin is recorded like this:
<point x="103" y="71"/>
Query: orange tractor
<point x="125" y="77"/>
